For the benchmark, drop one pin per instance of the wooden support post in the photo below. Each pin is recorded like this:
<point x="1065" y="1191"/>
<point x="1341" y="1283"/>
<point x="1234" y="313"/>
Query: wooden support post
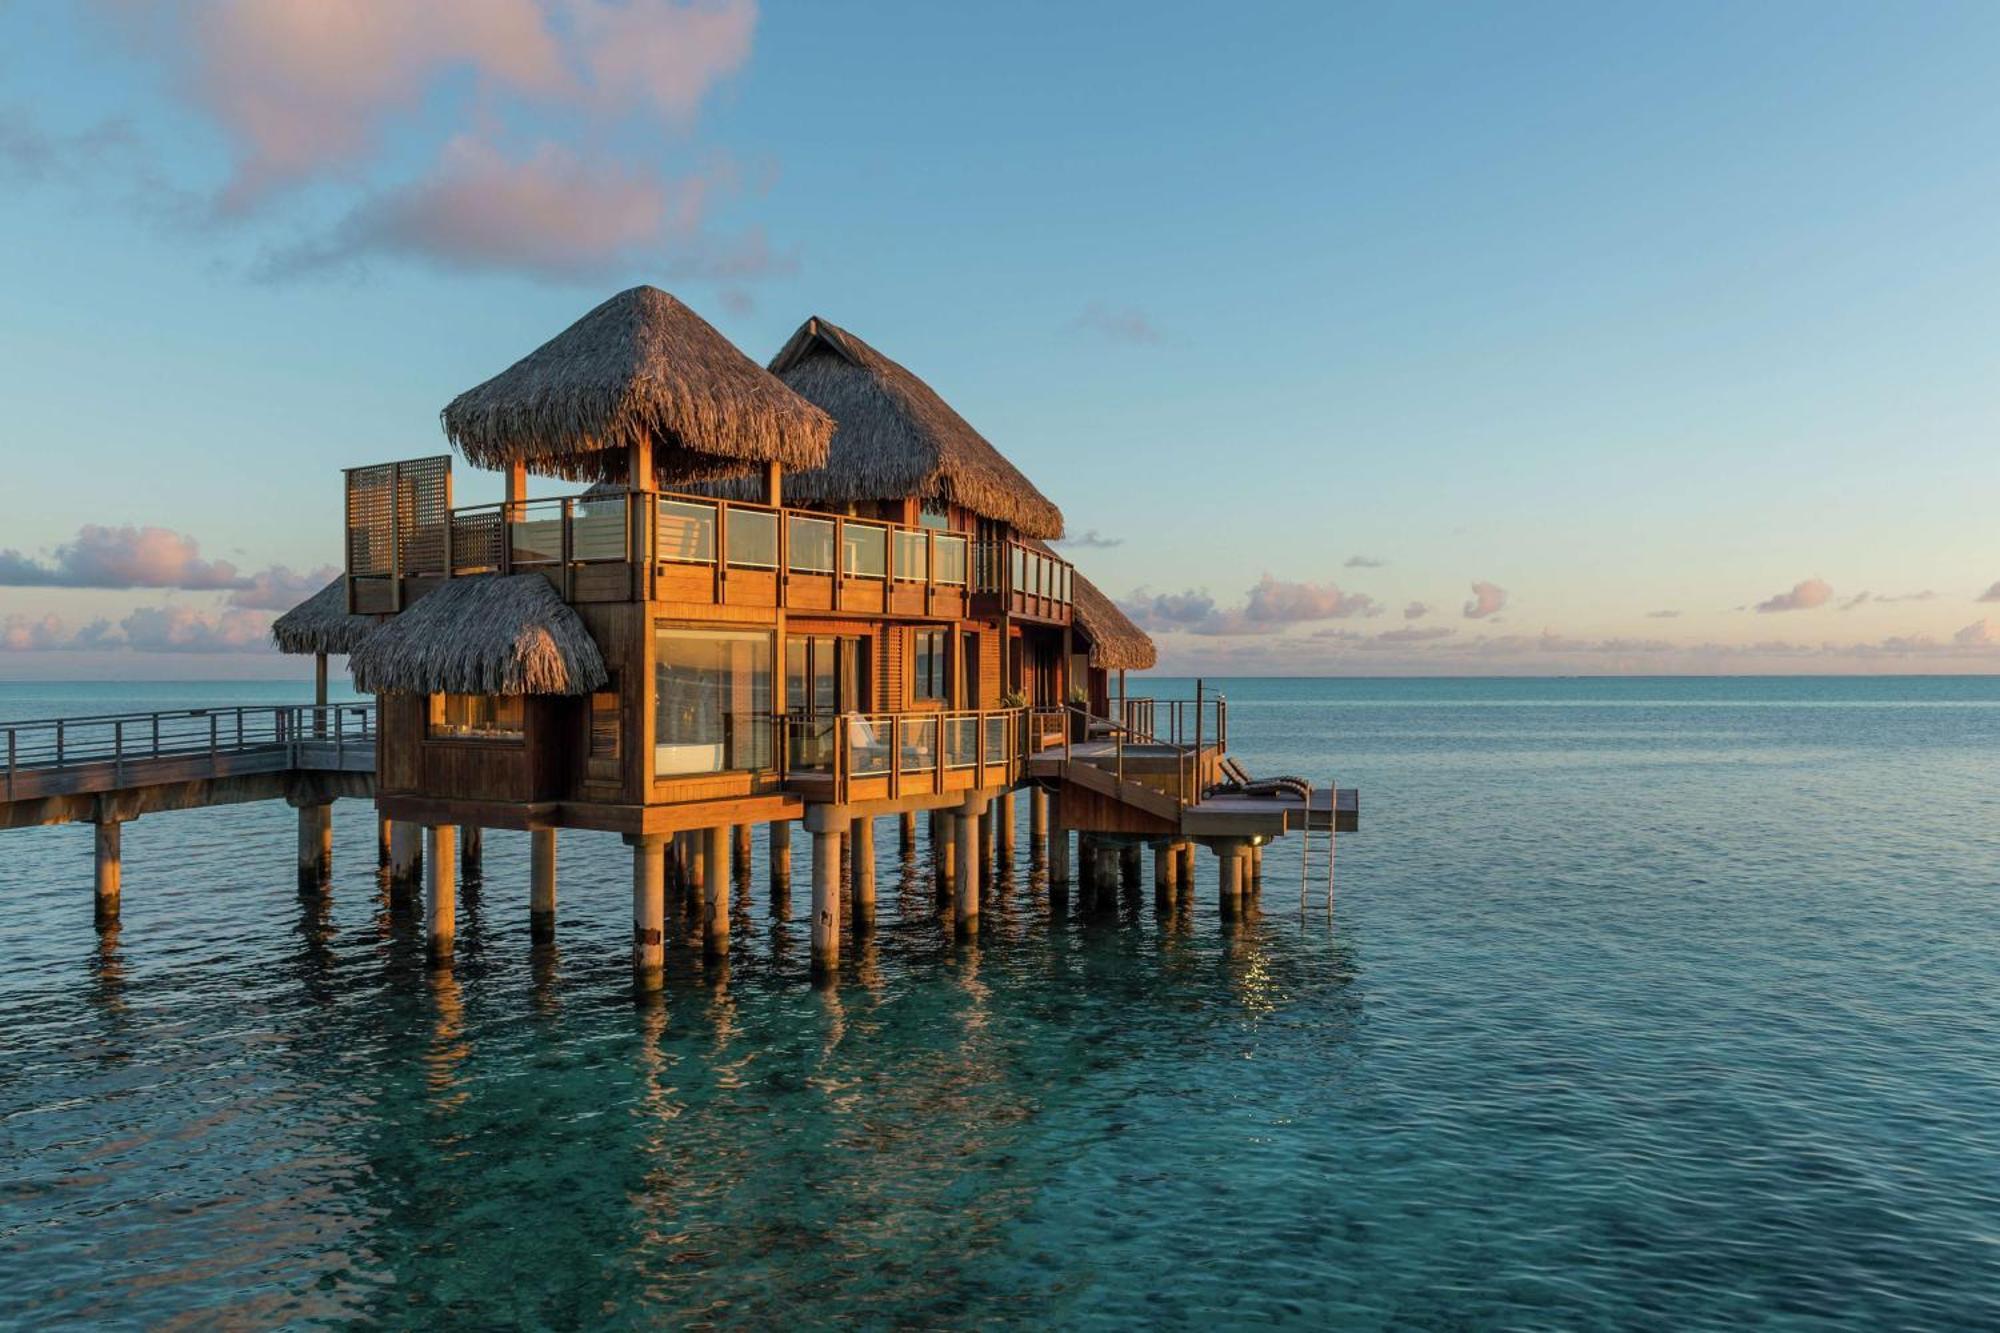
<point x="649" y="912"/>
<point x="861" y="841"/>
<point x="715" y="895"/>
<point x="781" y="864"/>
<point x="542" y="885"/>
<point x="1038" y="823"/>
<point x="1185" y="850"/>
<point x="1129" y="862"/>
<point x="1108" y="858"/>
<point x="944" y="851"/>
<point x="315" y="846"/>
<point x="826" y="903"/>
<point x="1004" y="839"/>
<point x="110" y="865"/>
<point x="1086" y="863"/>
<point x="471" y="849"/>
<point x="697" y="862"/>
<point x="382" y="839"/>
<point x="440" y="892"/>
<point x="1058" y="851"/>
<point x="1229" y="877"/>
<point x="908" y="823"/>
<point x="406" y="860"/>
<point x="739" y="852"/>
<point x="1163" y="877"/>
<point x="965" y="900"/>
<point x="989" y="831"/>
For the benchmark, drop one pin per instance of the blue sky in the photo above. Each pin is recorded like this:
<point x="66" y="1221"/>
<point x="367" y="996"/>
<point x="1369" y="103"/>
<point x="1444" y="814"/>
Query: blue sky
<point x="1616" y="312"/>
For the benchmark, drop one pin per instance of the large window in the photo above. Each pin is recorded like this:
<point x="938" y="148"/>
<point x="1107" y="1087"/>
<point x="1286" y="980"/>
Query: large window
<point x="930" y="680"/>
<point x="476" y="717"/>
<point x="712" y="691"/>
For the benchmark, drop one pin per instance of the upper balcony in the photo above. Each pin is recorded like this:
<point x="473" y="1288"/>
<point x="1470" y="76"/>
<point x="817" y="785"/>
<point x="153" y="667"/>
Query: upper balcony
<point x="613" y="545"/>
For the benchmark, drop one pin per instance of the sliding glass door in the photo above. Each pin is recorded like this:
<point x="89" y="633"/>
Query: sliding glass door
<point x="712" y="701"/>
<point x="825" y="675"/>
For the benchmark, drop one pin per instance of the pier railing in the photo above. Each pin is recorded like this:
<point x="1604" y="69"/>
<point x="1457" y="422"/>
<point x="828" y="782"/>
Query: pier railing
<point x="121" y="741"/>
<point x="1202" y="720"/>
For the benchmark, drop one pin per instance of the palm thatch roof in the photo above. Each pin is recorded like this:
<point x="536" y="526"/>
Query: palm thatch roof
<point x="485" y="634"/>
<point x="321" y="623"/>
<point x="642" y="365"/>
<point x="1116" y="644"/>
<point x="894" y="437"/>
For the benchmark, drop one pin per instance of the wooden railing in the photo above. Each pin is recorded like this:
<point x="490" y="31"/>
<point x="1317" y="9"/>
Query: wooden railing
<point x="121" y="740"/>
<point x="872" y="756"/>
<point x="1202" y="720"/>
<point x="1024" y="580"/>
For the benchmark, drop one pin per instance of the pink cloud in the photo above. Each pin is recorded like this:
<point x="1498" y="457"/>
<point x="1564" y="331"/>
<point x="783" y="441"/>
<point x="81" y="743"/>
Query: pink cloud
<point x="186" y="629"/>
<point x="1487" y="599"/>
<point x="1119" y="325"/>
<point x="1416" y="611"/>
<point x="1268" y="608"/>
<point x="279" y="589"/>
<point x="1983" y="633"/>
<point x="551" y="213"/>
<point x="1992" y="594"/>
<point x="1804" y="596"/>
<point x="128" y="557"/>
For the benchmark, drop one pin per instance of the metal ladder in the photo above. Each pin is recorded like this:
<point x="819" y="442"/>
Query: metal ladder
<point x="1306" y="846"/>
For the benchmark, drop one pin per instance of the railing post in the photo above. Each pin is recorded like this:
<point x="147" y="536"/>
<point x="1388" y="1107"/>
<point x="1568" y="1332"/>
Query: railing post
<point x="721" y="553"/>
<point x="568" y="546"/>
<point x="118" y="750"/>
<point x="839" y="561"/>
<point x="895" y="756"/>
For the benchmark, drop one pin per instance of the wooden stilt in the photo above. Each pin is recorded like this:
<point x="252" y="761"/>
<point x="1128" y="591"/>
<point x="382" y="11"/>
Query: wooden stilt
<point x="649" y="912"/>
<point x="861" y="841"/>
<point x="989" y="828"/>
<point x="826" y="903"/>
<point x="382" y="839"/>
<point x="1130" y="863"/>
<point x="110" y="866"/>
<point x="739" y="852"/>
<point x="780" y="855"/>
<point x="715" y="898"/>
<point x="965" y="902"/>
<point x="1004" y="839"/>
<point x="908" y="832"/>
<point x="471" y="849"/>
<point x="1058" y="852"/>
<point x="1229" y="877"/>
<point x="1038" y="823"/>
<point x="944" y="852"/>
<point x="1163" y="878"/>
<point x="406" y="860"/>
<point x="315" y="846"/>
<point x="542" y="885"/>
<point x="440" y="892"/>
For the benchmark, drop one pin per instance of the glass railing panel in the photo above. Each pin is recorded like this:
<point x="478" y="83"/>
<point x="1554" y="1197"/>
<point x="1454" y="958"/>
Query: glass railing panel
<point x="811" y="744"/>
<point x="919" y="744"/>
<point x="536" y="539"/>
<point x="961" y="742"/>
<point x="686" y="532"/>
<point x="1020" y="583"/>
<point x="868" y="745"/>
<point x="597" y="529"/>
<point x="864" y="550"/>
<point x="753" y="538"/>
<point x="951" y="560"/>
<point x="750" y="746"/>
<point x="999" y="740"/>
<point x="811" y="541"/>
<point x="913" y="551"/>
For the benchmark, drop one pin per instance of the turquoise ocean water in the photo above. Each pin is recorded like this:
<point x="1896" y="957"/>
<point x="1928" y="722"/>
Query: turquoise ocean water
<point x="1643" y="1004"/>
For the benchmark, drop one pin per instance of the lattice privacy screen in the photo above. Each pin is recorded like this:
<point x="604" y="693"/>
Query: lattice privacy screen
<point x="395" y="517"/>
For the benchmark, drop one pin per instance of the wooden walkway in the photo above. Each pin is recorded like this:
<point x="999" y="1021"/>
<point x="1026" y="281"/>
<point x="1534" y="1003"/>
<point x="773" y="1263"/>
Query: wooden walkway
<point x="121" y="766"/>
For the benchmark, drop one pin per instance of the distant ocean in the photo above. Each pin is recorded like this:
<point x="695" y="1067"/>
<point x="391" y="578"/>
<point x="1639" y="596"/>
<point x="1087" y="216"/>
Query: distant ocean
<point x="1663" y="1004"/>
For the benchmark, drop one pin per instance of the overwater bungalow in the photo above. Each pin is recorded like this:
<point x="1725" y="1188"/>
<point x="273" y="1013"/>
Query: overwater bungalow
<point x="809" y="593"/>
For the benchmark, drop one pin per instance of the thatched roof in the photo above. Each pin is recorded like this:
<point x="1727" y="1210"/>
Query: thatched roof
<point x="894" y="437"/>
<point x="485" y="634"/>
<point x="321" y="623"/>
<point x="642" y="364"/>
